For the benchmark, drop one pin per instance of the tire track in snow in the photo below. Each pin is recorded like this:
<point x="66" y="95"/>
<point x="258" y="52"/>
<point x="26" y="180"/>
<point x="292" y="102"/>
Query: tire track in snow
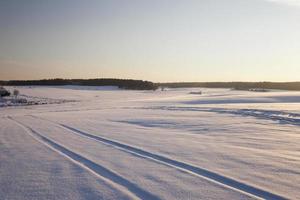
<point x="117" y="181"/>
<point x="219" y="179"/>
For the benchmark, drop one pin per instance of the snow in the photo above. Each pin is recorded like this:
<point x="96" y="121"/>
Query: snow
<point x="107" y="143"/>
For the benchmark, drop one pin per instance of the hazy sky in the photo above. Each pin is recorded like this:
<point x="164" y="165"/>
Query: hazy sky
<point x="158" y="40"/>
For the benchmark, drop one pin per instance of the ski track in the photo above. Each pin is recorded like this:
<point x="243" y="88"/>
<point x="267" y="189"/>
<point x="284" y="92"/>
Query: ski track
<point x="216" y="178"/>
<point x="120" y="183"/>
<point x="279" y="116"/>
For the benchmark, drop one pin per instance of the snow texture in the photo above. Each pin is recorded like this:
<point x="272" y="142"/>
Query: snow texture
<point x="107" y="143"/>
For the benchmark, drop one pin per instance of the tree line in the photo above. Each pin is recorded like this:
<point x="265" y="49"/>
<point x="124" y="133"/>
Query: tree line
<point x="237" y="85"/>
<point x="121" y="83"/>
<point x="147" y="85"/>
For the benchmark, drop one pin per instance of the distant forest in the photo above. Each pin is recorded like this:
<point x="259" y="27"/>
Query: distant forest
<point x="237" y="85"/>
<point x="147" y="85"/>
<point x="121" y="83"/>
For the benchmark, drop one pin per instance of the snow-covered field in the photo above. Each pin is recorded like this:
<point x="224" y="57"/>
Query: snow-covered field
<point x="106" y="143"/>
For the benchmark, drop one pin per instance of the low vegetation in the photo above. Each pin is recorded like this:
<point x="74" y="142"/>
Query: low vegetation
<point x="4" y="92"/>
<point x="147" y="85"/>
<point x="121" y="83"/>
<point x="237" y="85"/>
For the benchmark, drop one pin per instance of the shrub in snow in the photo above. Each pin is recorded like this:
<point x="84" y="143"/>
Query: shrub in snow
<point x="16" y="93"/>
<point x="196" y="92"/>
<point x="20" y="101"/>
<point x="4" y="92"/>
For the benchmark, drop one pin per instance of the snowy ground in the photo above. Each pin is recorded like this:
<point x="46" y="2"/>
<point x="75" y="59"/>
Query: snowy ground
<point x="106" y="143"/>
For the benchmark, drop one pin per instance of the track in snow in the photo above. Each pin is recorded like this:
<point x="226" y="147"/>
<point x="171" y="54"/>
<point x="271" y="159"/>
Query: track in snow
<point x="185" y="167"/>
<point x="114" y="179"/>
<point x="278" y="116"/>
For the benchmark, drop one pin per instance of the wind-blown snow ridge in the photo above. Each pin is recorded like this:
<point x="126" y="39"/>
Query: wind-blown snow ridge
<point x="185" y="167"/>
<point x="280" y="116"/>
<point x="119" y="182"/>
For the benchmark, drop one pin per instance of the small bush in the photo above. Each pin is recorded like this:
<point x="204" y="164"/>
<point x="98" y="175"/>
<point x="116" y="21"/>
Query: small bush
<point x="16" y="93"/>
<point x="4" y="92"/>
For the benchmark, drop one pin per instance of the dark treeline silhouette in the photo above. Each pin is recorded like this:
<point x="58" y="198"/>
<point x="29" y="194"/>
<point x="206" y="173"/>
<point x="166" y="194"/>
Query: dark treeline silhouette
<point x="147" y="85"/>
<point x="237" y="85"/>
<point x="121" y="83"/>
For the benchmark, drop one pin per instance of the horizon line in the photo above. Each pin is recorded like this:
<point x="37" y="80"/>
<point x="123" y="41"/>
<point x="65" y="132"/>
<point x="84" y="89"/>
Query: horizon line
<point x="233" y="81"/>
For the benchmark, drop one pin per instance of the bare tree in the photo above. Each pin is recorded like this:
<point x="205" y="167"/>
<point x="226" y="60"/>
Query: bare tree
<point x="16" y="93"/>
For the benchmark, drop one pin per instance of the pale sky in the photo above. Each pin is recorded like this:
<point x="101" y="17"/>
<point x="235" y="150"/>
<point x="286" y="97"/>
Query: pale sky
<point x="156" y="40"/>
